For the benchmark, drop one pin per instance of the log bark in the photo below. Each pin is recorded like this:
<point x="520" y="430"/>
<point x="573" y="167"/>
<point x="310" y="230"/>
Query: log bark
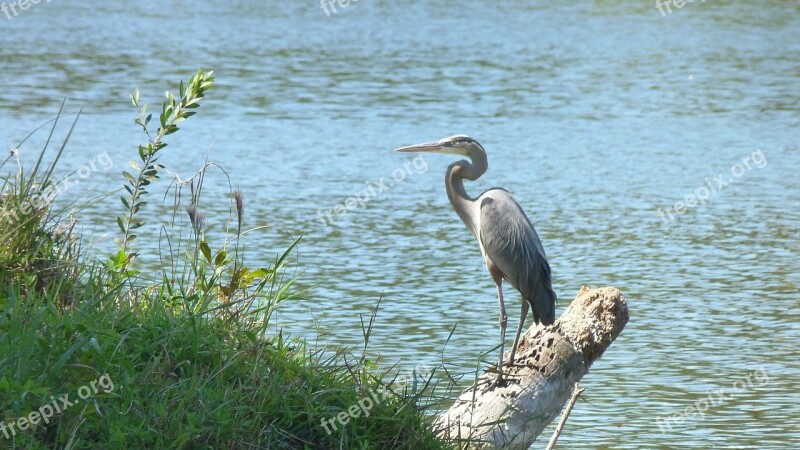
<point x="549" y="361"/>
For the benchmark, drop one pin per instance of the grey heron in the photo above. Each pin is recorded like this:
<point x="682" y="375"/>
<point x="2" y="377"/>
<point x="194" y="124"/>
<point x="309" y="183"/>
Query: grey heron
<point x="509" y="244"/>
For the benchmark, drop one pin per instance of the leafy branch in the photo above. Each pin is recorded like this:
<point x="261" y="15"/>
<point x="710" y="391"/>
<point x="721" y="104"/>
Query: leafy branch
<point x="173" y="112"/>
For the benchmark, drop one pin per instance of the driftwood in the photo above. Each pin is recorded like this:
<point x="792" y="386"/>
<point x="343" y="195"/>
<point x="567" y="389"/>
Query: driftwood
<point x="549" y="362"/>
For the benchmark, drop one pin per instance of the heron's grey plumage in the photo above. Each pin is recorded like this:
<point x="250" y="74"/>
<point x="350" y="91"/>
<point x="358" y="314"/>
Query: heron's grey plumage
<point x="511" y="242"/>
<point x="510" y="246"/>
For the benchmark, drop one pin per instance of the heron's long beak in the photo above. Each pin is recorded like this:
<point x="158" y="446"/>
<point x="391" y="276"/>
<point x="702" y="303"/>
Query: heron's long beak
<point x="428" y="147"/>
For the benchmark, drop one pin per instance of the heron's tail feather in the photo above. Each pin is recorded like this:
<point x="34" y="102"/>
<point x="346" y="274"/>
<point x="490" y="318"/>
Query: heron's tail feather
<point x="544" y="300"/>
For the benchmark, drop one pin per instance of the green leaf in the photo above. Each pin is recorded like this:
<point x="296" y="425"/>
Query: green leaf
<point x="241" y="275"/>
<point x="205" y="250"/>
<point x="81" y="341"/>
<point x="220" y="259"/>
<point x="260" y="273"/>
<point x="119" y="258"/>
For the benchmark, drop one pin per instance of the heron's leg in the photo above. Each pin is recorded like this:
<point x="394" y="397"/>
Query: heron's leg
<point x="523" y="314"/>
<point x="497" y="276"/>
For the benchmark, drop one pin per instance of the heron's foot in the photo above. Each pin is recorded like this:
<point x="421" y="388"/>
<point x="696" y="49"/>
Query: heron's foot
<point x="498" y="381"/>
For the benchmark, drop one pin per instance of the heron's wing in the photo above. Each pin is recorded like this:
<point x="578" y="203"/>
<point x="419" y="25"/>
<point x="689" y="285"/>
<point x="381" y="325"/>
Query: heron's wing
<point x="510" y="241"/>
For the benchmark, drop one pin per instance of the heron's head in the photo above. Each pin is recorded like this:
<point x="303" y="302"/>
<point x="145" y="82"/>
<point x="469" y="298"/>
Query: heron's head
<point x="456" y="145"/>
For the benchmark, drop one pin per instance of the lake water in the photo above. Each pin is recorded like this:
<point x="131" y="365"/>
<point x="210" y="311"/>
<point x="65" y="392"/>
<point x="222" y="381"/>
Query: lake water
<point x="594" y="115"/>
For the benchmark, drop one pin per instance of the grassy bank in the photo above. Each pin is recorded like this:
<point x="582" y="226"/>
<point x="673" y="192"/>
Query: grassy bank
<point x="94" y="354"/>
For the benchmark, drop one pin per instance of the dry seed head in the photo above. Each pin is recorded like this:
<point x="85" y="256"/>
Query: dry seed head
<point x="237" y="197"/>
<point x="198" y="219"/>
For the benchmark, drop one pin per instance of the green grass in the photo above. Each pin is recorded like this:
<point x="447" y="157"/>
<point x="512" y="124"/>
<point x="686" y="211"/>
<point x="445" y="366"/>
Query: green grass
<point x="190" y="358"/>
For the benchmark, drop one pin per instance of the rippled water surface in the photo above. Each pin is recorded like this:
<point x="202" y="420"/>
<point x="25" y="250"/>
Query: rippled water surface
<point x="594" y="114"/>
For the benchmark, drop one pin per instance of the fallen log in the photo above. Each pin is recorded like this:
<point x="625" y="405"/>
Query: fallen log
<point x="549" y="361"/>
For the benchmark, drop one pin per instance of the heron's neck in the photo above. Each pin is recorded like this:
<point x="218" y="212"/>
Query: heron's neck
<point x="465" y="205"/>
